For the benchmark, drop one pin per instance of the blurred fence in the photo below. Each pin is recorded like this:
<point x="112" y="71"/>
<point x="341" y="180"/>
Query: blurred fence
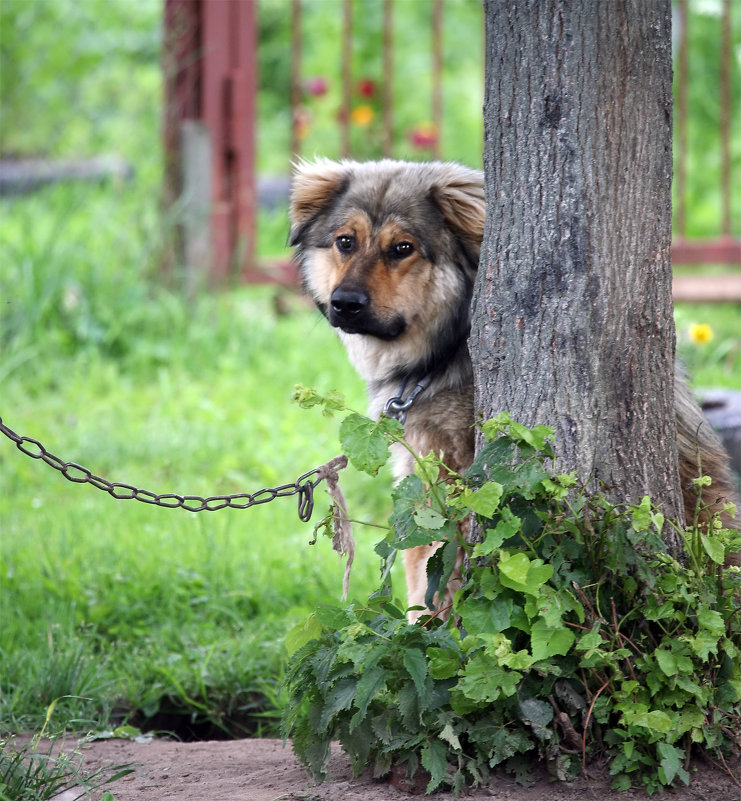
<point x="210" y="59"/>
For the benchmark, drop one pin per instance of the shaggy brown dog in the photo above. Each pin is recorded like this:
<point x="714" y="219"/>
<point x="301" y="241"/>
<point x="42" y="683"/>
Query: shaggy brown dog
<point x="389" y="252"/>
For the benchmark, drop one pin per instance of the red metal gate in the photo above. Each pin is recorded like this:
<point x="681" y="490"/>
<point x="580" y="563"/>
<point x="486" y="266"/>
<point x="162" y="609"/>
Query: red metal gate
<point x="210" y="122"/>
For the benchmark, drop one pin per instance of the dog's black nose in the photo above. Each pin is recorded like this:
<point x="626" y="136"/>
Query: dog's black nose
<point x="348" y="303"/>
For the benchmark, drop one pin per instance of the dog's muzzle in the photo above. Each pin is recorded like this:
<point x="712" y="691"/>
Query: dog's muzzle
<point x="350" y="309"/>
<point x="348" y="306"/>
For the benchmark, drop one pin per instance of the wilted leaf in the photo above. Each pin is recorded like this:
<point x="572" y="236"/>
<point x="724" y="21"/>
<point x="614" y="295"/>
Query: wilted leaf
<point x="434" y="760"/>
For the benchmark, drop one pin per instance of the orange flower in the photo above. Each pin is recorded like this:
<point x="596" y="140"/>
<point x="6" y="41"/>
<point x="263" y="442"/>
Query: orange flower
<point x="362" y="115"/>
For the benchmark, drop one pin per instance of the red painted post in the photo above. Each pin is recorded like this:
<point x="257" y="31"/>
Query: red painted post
<point x="210" y="87"/>
<point x="724" y="250"/>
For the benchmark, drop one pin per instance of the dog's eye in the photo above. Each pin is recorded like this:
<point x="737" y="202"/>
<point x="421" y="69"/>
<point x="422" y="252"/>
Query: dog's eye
<point x="402" y="249"/>
<point x="345" y="243"/>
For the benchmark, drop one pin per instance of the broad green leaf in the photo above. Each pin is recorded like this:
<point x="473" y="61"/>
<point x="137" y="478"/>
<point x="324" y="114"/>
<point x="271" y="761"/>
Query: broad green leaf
<point x="364" y="442"/>
<point x="415" y="663"/>
<point x="621" y="783"/>
<point x="426" y="517"/>
<point x="592" y="639"/>
<point x="657" y="720"/>
<point x="507" y="527"/>
<point x="537" y="714"/>
<point x="547" y="642"/>
<point x="704" y="644"/>
<point x="499" y="647"/>
<point x="515" y="568"/>
<point x="334" y="617"/>
<point x="450" y="737"/>
<point x="442" y="664"/>
<point x="439" y="569"/>
<point x="409" y="706"/>
<point x="411" y="506"/>
<point x="503" y="423"/>
<point x="506" y="743"/>
<point x="340" y="697"/>
<point x="302" y="633"/>
<point x="711" y="620"/>
<point x="371" y="683"/>
<point x="553" y="605"/>
<point x="519" y="573"/>
<point x="484" y="680"/>
<point x="671" y="763"/>
<point x="713" y="547"/>
<point x="427" y="468"/>
<point x="641" y="514"/>
<point x="480" y="615"/>
<point x="667" y="661"/>
<point x="484" y="501"/>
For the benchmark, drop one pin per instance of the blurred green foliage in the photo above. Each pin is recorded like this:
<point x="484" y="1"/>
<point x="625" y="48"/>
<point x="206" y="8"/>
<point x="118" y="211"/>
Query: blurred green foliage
<point x="703" y="123"/>
<point x="67" y="70"/>
<point x="83" y="78"/>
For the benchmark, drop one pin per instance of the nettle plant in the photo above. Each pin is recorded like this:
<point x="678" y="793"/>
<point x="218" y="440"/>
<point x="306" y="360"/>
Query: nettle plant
<point x="574" y="635"/>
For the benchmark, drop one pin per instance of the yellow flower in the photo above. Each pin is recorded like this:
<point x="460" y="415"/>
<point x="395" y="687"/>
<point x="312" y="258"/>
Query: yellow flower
<point x="362" y="115"/>
<point x="700" y="333"/>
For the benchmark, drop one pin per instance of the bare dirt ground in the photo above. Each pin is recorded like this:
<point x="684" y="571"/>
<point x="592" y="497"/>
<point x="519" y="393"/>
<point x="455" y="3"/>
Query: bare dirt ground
<point x="263" y="770"/>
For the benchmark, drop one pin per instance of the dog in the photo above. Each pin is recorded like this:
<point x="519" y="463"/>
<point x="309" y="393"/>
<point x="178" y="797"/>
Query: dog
<point x="389" y="251"/>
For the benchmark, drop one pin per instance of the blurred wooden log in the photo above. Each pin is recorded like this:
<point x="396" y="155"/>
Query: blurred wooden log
<point x="706" y="288"/>
<point x="20" y="176"/>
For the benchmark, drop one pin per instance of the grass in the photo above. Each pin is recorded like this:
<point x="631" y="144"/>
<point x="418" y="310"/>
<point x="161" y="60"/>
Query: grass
<point x="127" y="609"/>
<point x="36" y="771"/>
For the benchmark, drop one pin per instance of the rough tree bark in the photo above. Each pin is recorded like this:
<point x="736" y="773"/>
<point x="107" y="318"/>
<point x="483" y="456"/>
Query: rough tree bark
<point x="572" y="313"/>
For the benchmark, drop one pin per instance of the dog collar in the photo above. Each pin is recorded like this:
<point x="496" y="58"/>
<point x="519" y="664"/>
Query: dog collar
<point x="397" y="407"/>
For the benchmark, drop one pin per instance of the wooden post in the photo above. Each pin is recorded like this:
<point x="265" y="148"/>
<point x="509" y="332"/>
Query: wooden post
<point x="210" y="86"/>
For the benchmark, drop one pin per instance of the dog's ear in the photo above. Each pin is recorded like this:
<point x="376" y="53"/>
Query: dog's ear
<point x="313" y="187"/>
<point x="459" y="192"/>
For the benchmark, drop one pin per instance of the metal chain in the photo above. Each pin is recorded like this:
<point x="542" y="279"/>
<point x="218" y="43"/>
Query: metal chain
<point x="303" y="486"/>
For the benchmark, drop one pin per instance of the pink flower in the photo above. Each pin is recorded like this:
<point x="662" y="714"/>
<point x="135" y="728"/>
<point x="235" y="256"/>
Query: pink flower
<point x="423" y="135"/>
<point x="316" y="86"/>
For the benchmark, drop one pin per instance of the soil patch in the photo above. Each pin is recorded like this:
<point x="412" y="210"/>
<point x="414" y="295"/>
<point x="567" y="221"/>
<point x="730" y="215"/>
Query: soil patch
<point x="263" y="770"/>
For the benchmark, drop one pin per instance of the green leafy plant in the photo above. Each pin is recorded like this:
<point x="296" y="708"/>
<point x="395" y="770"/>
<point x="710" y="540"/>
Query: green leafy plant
<point x="575" y="633"/>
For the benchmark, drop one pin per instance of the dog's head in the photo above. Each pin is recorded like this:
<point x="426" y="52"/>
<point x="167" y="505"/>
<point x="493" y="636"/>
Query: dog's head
<point x="389" y="251"/>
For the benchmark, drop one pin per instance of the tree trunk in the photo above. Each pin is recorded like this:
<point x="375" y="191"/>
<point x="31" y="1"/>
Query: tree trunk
<point x="572" y="312"/>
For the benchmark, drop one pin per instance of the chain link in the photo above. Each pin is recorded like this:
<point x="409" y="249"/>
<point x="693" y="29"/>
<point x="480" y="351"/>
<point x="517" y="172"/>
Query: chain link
<point x="303" y="486"/>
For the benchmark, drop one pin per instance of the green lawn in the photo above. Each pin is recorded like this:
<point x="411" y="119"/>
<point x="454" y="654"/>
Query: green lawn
<point x="135" y="607"/>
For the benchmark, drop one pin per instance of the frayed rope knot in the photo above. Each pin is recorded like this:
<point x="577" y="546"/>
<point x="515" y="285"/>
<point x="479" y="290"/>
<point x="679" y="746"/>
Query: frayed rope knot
<point x="342" y="542"/>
